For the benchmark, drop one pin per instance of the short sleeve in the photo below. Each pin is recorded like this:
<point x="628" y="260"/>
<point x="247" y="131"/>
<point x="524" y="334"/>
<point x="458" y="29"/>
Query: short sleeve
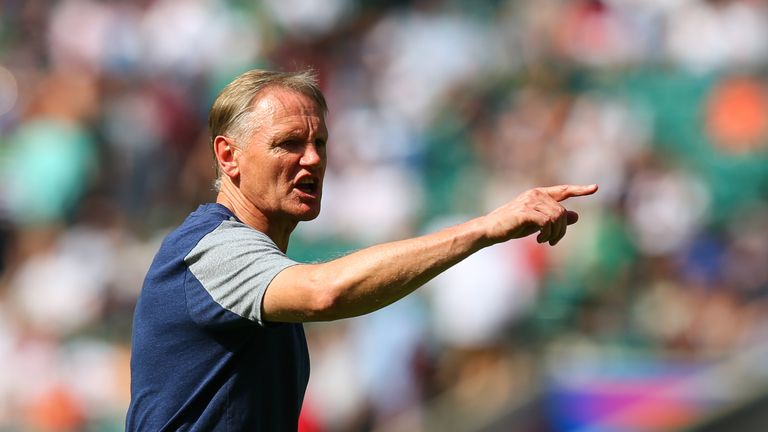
<point x="234" y="264"/>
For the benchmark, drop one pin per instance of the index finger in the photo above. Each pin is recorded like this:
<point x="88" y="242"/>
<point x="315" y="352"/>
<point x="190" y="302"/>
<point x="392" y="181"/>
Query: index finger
<point x="563" y="192"/>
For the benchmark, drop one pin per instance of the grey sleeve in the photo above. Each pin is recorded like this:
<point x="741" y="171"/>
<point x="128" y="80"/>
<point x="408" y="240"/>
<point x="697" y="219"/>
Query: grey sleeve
<point x="235" y="264"/>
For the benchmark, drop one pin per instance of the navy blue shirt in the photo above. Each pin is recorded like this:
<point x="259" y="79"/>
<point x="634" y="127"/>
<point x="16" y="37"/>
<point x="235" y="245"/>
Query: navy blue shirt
<point x="202" y="359"/>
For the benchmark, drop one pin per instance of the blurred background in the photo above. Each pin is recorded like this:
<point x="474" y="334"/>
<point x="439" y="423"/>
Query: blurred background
<point x="651" y="315"/>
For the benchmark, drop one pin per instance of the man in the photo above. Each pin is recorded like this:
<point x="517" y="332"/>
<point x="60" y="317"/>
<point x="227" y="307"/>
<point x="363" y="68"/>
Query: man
<point x="217" y="340"/>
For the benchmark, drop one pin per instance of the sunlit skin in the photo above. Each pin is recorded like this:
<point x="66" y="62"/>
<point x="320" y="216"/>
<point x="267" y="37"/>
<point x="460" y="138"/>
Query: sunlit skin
<point x="274" y="180"/>
<point x="263" y="183"/>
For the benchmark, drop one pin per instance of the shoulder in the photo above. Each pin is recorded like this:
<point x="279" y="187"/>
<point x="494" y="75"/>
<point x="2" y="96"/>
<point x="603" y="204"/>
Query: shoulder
<point x="199" y="224"/>
<point x="231" y="238"/>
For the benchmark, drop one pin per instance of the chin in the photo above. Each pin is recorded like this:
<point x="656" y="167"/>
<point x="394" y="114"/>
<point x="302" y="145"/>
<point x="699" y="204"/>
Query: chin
<point x="308" y="214"/>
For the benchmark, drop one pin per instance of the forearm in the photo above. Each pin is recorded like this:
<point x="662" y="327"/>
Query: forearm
<point x="375" y="277"/>
<point x="371" y="278"/>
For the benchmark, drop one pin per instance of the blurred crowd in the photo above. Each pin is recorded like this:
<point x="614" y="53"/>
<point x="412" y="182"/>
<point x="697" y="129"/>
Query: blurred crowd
<point x="440" y="110"/>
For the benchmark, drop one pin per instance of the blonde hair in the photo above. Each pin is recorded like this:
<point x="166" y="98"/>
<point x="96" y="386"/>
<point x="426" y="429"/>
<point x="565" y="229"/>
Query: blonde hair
<point x="231" y="112"/>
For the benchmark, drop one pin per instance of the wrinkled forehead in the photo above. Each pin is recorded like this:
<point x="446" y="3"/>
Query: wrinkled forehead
<point x="280" y="113"/>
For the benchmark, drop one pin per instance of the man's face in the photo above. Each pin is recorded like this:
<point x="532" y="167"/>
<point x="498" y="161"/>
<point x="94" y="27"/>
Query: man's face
<point x="283" y="162"/>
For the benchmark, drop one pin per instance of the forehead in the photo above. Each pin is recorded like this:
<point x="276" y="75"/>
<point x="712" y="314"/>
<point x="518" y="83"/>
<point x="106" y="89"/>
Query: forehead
<point x="289" y="108"/>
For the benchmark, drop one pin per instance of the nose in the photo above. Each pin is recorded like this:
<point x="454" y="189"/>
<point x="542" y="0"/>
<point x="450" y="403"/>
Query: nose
<point x="311" y="156"/>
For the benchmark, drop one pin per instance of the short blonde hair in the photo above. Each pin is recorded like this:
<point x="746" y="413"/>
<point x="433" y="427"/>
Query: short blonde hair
<point x="229" y="115"/>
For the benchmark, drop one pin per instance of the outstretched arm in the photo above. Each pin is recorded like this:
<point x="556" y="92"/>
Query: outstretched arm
<point x="372" y="278"/>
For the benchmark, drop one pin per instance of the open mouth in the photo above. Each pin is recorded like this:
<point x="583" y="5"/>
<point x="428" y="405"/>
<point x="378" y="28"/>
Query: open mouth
<point x="308" y="185"/>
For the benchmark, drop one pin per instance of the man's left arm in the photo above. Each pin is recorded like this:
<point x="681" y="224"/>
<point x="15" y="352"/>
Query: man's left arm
<point x="372" y="278"/>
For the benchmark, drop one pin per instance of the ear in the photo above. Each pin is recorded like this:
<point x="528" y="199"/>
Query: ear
<point x="225" y="156"/>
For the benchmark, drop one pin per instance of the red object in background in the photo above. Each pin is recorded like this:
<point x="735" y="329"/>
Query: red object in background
<point x="537" y="256"/>
<point x="57" y="409"/>
<point x="737" y="114"/>
<point x="308" y="420"/>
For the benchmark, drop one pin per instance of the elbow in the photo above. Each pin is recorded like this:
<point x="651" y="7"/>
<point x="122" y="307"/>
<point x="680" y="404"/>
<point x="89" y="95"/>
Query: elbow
<point x="323" y="306"/>
<point x="324" y="301"/>
<point x="330" y="295"/>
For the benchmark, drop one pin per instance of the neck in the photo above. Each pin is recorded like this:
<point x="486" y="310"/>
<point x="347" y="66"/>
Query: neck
<point x="278" y="230"/>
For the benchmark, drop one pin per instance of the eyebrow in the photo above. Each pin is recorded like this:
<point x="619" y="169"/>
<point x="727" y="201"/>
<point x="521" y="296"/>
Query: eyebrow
<point x="290" y="134"/>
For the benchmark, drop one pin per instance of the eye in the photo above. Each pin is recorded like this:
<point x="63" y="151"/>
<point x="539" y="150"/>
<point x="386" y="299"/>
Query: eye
<point x="289" y="144"/>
